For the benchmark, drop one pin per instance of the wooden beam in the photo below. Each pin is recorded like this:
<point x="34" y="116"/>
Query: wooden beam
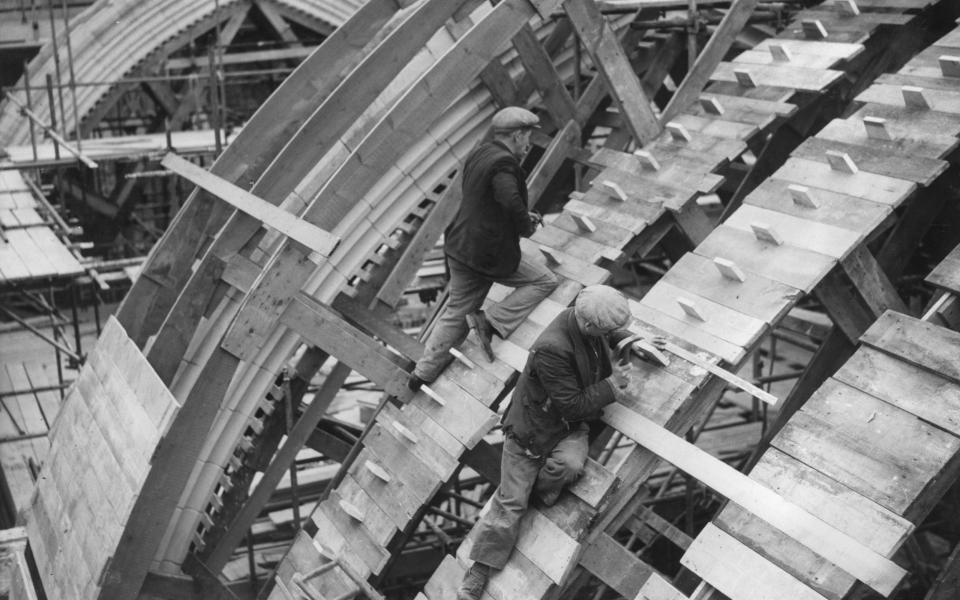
<point x="709" y="58"/>
<point x="536" y="61"/>
<point x="307" y="234"/>
<point x="375" y="324"/>
<point x="276" y="22"/>
<point x="615" y="566"/>
<point x="216" y="557"/>
<point x="948" y="581"/>
<point x="604" y="48"/>
<point x="878" y="572"/>
<point x="322" y="327"/>
<point x="564" y="142"/>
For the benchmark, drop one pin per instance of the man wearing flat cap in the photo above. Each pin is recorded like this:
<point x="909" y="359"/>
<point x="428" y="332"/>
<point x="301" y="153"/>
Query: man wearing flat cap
<point x="567" y="380"/>
<point x="482" y="246"/>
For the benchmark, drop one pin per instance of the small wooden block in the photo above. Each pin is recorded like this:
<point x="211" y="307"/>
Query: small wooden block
<point x="841" y="161"/>
<point x="678" y="132"/>
<point x="614" y="190"/>
<point x="405" y="432"/>
<point x="352" y="511"/>
<point x="950" y="66"/>
<point x="847" y="7"/>
<point x="433" y="395"/>
<point x="729" y="269"/>
<point x="651" y="353"/>
<point x="584" y="223"/>
<point x="708" y="200"/>
<point x="802" y="196"/>
<point x="765" y="233"/>
<point x="690" y="308"/>
<point x="780" y="53"/>
<point x="462" y="358"/>
<point x="711" y="105"/>
<point x="913" y="97"/>
<point x="813" y="29"/>
<point x="647" y="159"/>
<point x="876" y="128"/>
<point x="378" y="471"/>
<point x="550" y="255"/>
<point x="744" y="78"/>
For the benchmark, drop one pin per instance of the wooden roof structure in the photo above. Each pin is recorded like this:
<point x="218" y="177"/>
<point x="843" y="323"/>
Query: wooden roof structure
<point x="309" y="226"/>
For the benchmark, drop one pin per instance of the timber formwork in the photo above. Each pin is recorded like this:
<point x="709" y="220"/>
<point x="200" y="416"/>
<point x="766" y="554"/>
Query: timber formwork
<point x="358" y="166"/>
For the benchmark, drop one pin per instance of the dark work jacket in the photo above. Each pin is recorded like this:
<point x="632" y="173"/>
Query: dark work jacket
<point x="485" y="233"/>
<point x="563" y="382"/>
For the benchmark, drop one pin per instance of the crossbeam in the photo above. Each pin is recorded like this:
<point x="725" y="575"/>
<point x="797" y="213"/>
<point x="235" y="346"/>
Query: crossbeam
<point x="303" y="232"/>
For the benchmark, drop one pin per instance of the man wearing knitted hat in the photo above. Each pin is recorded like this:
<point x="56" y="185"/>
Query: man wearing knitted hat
<point x="482" y="246"/>
<point x="567" y="380"/>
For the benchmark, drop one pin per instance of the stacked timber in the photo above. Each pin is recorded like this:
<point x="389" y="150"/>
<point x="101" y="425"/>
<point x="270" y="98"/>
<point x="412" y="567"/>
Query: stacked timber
<point x="111" y="40"/>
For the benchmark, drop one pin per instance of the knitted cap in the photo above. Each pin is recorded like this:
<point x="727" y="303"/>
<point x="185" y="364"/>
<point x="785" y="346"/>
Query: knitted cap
<point x="602" y="306"/>
<point x="514" y="117"/>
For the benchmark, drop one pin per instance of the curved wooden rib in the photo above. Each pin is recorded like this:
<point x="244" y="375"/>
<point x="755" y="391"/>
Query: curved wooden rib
<point x="111" y="40"/>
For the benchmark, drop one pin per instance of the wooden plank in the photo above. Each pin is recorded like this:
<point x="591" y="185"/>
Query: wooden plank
<point x="355" y="533"/>
<point x="757" y="296"/>
<point x="795" y="267"/>
<point x="892" y="95"/>
<point x="462" y="416"/>
<point x="881" y="158"/>
<point x="307" y="234"/>
<point x="795" y="231"/>
<point x="615" y="566"/>
<point x="678" y="172"/>
<point x="874" y="448"/>
<point x="608" y="56"/>
<point x="781" y="75"/>
<point x="378" y="523"/>
<point x="921" y="344"/>
<point x="915" y="390"/>
<point x="928" y="122"/>
<point x="322" y="327"/>
<point x="851" y="131"/>
<point x="946" y="275"/>
<point x="575" y="245"/>
<point x="868" y="566"/>
<point x="739" y="572"/>
<point x="539" y="66"/>
<point x="568" y="267"/>
<point x="725" y="323"/>
<point x="717" y="127"/>
<point x="709" y="58"/>
<point x="637" y="190"/>
<point x="420" y="478"/>
<point x="840" y="210"/>
<point x="398" y="502"/>
<point x="685" y="331"/>
<point x="877" y="188"/>
<point x="834" y="503"/>
<point x="759" y="113"/>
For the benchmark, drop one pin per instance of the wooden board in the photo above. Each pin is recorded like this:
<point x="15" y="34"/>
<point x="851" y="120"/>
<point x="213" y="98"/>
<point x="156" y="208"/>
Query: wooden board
<point x="840" y="210"/>
<point x="946" y="275"/>
<point x="877" y="188"/>
<point x="760" y="113"/>
<point x="795" y="267"/>
<point x="883" y="158"/>
<point x="874" y="448"/>
<point x="849" y="131"/>
<point x="795" y="231"/>
<point x="919" y="343"/>
<point x="778" y="75"/>
<point x="915" y="390"/>
<point x="723" y="322"/>
<point x="892" y="95"/>
<point x="692" y="334"/>
<point x="739" y="572"/>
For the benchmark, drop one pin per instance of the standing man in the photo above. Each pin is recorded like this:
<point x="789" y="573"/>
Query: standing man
<point x="568" y="378"/>
<point x="482" y="246"/>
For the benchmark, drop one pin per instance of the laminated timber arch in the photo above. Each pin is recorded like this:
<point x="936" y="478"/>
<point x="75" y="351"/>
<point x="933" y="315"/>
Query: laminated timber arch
<point x="111" y="41"/>
<point x="223" y="303"/>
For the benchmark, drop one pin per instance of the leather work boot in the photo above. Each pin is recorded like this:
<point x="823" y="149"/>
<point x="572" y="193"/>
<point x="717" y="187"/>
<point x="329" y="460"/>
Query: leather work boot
<point x="479" y="324"/>
<point x="474" y="580"/>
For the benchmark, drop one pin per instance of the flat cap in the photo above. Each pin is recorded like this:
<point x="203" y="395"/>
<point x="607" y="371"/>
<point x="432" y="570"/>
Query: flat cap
<point x="602" y="306"/>
<point x="514" y="117"/>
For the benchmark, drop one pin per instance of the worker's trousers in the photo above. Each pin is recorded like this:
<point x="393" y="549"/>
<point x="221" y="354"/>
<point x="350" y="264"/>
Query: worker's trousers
<point x="465" y="294"/>
<point x="520" y="474"/>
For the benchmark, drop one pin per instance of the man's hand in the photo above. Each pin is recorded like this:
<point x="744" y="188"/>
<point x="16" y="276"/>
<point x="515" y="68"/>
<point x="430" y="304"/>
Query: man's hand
<point x="536" y="219"/>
